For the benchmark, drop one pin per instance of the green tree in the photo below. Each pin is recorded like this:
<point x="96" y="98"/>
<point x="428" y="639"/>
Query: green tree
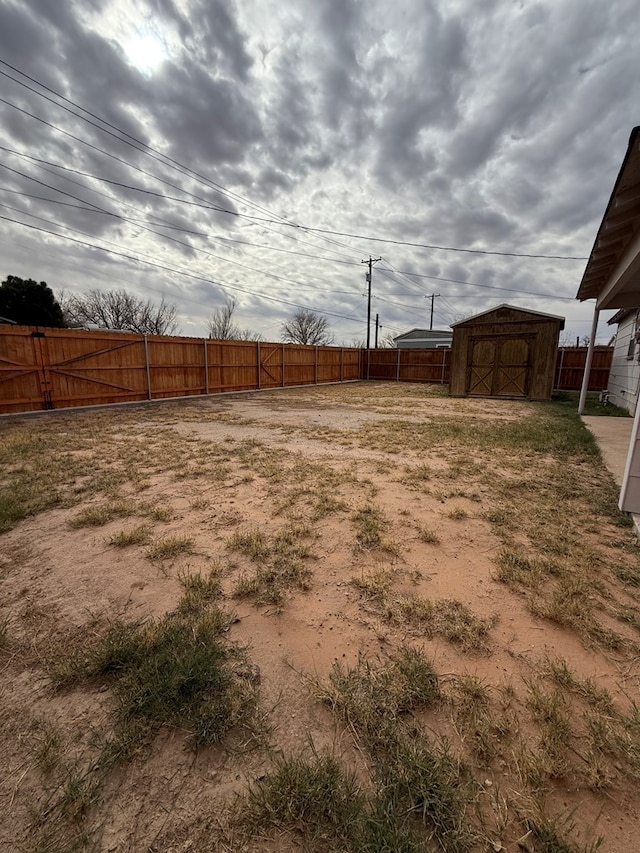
<point x="29" y="302"/>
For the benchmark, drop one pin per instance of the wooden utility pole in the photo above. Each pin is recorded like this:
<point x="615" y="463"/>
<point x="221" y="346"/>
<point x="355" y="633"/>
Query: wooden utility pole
<point x="377" y="327"/>
<point x="432" y="297"/>
<point x="370" y="263"/>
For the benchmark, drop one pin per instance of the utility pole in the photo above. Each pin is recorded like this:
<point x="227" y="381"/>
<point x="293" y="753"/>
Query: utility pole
<point x="432" y="297"/>
<point x="370" y="262"/>
<point x="377" y="325"/>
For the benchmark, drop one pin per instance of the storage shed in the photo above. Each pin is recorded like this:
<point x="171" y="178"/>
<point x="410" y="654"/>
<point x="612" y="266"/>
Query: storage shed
<point x="505" y="352"/>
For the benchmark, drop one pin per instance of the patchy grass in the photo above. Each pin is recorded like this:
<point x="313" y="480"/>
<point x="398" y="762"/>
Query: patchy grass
<point x="138" y="535"/>
<point x="559" y="671"/>
<point x="199" y="591"/>
<point x="98" y="516"/>
<point x="480" y="729"/>
<point x="370" y="524"/>
<point x="280" y="563"/>
<point x="175" y="671"/>
<point x="367" y="693"/>
<point x="171" y="547"/>
<point x="428" y="536"/>
<point x="316" y="797"/>
<point x="179" y="671"/>
<point x="458" y="513"/>
<point x="551" y="712"/>
<point x="515" y="569"/>
<point x="446" y="618"/>
<point x="429" y="745"/>
<point x="546" y="430"/>
<point x="421" y="788"/>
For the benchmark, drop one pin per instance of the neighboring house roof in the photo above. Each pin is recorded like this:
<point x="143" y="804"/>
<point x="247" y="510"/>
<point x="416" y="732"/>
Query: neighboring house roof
<point x="612" y="274"/>
<point x="7" y="320"/>
<point x="620" y="315"/>
<point x="423" y="333"/>
<point x="511" y="308"/>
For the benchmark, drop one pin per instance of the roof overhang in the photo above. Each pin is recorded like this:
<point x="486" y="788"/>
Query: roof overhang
<point x="612" y="274"/>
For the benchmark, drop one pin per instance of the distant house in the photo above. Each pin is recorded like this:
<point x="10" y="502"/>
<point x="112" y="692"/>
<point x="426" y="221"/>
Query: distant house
<point x="624" y="377"/>
<point x="424" y="338"/>
<point x="7" y="320"/>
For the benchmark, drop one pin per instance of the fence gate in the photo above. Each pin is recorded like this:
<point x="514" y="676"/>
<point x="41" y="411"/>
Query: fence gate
<point x="22" y="379"/>
<point x="271" y="367"/>
<point x="55" y="369"/>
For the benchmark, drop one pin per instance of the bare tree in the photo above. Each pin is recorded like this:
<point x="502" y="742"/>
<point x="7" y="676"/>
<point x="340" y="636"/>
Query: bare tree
<point x="118" y="309"/>
<point x="306" y="327"/>
<point x="387" y="341"/>
<point x="222" y="327"/>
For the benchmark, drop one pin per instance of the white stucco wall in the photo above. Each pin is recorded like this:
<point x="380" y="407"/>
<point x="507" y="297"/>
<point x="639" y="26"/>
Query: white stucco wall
<point x="625" y="371"/>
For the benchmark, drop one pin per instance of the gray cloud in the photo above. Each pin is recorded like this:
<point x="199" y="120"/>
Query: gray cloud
<point x="498" y="126"/>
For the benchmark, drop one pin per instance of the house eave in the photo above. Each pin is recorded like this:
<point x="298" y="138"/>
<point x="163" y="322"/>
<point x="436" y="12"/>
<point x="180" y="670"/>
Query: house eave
<point x="612" y="273"/>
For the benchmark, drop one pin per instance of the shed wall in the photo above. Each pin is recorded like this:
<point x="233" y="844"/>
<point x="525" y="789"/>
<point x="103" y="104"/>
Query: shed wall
<point x="543" y="338"/>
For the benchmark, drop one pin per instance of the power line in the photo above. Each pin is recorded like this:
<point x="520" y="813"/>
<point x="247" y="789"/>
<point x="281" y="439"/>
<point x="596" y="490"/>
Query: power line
<point x="165" y="224"/>
<point x="281" y="220"/>
<point x="181" y="272"/>
<point x="372" y="239"/>
<point x="144" y="227"/>
<point x="202" y="204"/>
<point x="147" y="149"/>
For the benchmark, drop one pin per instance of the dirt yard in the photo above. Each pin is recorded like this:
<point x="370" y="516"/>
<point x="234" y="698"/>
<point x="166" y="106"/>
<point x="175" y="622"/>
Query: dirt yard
<point x="425" y="609"/>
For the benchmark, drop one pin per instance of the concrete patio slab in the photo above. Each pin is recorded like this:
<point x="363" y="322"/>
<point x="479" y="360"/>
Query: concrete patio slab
<point x="613" y="436"/>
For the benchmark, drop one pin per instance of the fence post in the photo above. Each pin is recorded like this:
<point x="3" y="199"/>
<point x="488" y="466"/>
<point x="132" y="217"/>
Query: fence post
<point x="559" y="383"/>
<point x="206" y="367"/>
<point x="341" y="364"/>
<point x="398" y="367"/>
<point x="283" y="365"/>
<point x="146" y="359"/>
<point x="316" y="368"/>
<point x="444" y="364"/>
<point x="259" y="364"/>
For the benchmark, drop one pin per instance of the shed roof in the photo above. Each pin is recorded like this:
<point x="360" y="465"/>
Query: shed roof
<point x="511" y="308"/>
<point x="612" y="274"/>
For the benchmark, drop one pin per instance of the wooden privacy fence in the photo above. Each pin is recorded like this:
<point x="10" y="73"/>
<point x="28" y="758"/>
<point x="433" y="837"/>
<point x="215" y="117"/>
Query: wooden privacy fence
<point x="409" y="365"/>
<point x="432" y="365"/>
<point x="57" y="368"/>
<point x="570" y="368"/>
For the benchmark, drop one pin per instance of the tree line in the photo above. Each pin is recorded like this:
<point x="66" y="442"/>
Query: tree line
<point x="31" y="303"/>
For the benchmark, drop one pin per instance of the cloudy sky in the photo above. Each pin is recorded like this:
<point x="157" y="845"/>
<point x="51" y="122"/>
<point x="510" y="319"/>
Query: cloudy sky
<point x="207" y="149"/>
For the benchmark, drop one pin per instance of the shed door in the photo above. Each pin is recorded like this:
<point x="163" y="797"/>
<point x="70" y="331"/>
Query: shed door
<point x="481" y="367"/>
<point x="512" y="369"/>
<point x="499" y="367"/>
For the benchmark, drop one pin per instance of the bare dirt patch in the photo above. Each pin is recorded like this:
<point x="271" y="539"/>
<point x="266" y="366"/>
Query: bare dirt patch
<point x="334" y="527"/>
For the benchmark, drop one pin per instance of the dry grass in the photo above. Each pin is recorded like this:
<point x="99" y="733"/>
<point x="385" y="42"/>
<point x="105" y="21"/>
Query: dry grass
<point x="281" y="563"/>
<point x="138" y="535"/>
<point x="429" y="742"/>
<point x="446" y="618"/>
<point x="170" y="547"/>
